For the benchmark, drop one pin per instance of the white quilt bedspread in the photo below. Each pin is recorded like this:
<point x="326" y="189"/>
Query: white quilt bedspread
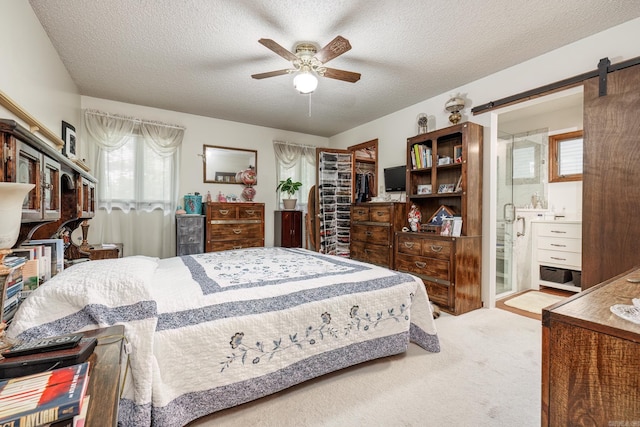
<point x="215" y="330"/>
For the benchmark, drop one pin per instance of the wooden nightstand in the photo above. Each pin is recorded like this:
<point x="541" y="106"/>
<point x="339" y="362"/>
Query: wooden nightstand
<point x="105" y="383"/>
<point x="100" y="252"/>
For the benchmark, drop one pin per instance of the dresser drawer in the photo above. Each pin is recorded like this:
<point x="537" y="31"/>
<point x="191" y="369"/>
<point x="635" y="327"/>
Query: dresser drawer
<point x="367" y="252"/>
<point x="249" y="212"/>
<point x="560" y="244"/>
<point x="370" y="233"/>
<point x="359" y="213"/>
<point x="560" y="229"/>
<point x="235" y="231"/>
<point x="380" y="213"/>
<point x="190" y="230"/>
<point x="225" y="245"/>
<point x="223" y="212"/>
<point x="558" y="257"/>
<point x="440" y="249"/>
<point x="409" y="245"/>
<point x="438" y="293"/>
<point x="436" y="270"/>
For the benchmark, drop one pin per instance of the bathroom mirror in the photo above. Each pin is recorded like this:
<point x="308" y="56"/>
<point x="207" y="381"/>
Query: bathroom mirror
<point x="221" y="164"/>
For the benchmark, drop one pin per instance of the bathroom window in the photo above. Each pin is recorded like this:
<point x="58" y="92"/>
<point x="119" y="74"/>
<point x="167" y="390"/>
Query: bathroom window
<point x="565" y="157"/>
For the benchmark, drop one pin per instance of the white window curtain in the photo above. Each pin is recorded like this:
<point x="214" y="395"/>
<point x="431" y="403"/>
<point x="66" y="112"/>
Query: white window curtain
<point x="137" y="166"/>
<point x="299" y="163"/>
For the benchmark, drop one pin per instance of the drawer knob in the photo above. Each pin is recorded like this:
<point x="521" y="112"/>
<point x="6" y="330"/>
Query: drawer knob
<point x="237" y="247"/>
<point x="559" y="231"/>
<point x="559" y="259"/>
<point x="360" y="212"/>
<point x="224" y="211"/>
<point x="380" y="213"/>
<point x="559" y="246"/>
<point x="237" y="231"/>
<point x="435" y="248"/>
<point x="368" y="233"/>
<point x="250" y="212"/>
<point x="409" y="244"/>
<point x="421" y="264"/>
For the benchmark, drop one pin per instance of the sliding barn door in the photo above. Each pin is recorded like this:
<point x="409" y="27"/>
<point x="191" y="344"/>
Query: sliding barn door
<point x="611" y="178"/>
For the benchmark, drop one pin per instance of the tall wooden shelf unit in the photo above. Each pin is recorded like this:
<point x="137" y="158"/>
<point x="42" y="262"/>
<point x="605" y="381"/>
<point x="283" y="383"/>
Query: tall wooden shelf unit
<point x="449" y="266"/>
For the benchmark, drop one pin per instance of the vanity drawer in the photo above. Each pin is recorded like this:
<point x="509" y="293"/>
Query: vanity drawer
<point x="559" y="244"/>
<point x="558" y="257"/>
<point x="359" y="213"/>
<point x="560" y="229"/>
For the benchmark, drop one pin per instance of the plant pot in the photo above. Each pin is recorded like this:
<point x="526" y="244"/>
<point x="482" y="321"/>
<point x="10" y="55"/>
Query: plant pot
<point x="289" y="204"/>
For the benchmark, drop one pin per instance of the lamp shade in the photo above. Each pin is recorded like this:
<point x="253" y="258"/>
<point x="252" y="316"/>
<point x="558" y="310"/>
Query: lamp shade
<point x="305" y="82"/>
<point x="11" y="197"/>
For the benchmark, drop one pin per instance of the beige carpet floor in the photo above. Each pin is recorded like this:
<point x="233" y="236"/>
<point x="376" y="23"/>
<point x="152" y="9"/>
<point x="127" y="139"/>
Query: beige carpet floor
<point x="533" y="301"/>
<point x="487" y="374"/>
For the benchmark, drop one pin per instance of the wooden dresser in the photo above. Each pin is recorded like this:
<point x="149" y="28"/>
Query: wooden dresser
<point x="189" y="234"/>
<point x="234" y="226"/>
<point x="590" y="369"/>
<point x="372" y="230"/>
<point x="448" y="266"/>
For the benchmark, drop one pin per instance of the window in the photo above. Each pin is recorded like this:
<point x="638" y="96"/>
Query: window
<point x="565" y="157"/>
<point x="298" y="163"/>
<point x="135" y="177"/>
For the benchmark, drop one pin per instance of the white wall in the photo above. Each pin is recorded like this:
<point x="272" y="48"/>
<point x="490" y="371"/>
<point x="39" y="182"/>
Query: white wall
<point x="32" y="74"/>
<point x="571" y="60"/>
<point x="203" y="130"/>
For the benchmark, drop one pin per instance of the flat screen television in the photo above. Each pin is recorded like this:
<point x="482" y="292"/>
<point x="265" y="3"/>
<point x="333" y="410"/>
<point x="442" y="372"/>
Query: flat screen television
<point x="395" y="178"/>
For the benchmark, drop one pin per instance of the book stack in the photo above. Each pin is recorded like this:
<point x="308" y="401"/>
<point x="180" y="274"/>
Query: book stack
<point x="10" y="287"/>
<point x="420" y="156"/>
<point x="48" y="398"/>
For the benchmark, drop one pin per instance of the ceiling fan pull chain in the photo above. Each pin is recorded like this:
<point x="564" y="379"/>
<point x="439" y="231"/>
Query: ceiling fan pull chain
<point x="309" y="105"/>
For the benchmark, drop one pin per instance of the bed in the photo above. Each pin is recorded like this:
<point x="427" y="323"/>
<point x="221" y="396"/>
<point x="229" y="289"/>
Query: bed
<point x="215" y="330"/>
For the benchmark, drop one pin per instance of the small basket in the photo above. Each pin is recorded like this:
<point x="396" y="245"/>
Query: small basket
<point x="552" y="274"/>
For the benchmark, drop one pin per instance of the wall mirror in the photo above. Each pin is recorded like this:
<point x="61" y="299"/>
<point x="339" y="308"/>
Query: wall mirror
<point x="221" y="164"/>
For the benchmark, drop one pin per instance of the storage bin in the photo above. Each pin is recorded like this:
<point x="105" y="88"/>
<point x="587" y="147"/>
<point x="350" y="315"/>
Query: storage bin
<point x="553" y="274"/>
<point x="577" y="276"/>
<point x="193" y="204"/>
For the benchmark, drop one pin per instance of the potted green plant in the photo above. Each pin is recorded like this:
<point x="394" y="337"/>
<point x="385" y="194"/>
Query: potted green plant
<point x="290" y="187"/>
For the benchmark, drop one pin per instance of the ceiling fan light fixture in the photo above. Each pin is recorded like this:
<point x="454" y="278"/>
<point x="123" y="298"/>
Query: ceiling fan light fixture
<point x="305" y="82"/>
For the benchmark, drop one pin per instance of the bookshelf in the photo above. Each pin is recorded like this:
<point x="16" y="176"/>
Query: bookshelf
<point x="444" y="171"/>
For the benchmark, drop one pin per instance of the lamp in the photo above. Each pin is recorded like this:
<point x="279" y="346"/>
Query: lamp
<point x="454" y="106"/>
<point x="305" y="81"/>
<point x="11" y="198"/>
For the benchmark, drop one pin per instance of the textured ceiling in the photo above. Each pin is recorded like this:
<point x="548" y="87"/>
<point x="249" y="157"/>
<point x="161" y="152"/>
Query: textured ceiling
<point x="197" y="56"/>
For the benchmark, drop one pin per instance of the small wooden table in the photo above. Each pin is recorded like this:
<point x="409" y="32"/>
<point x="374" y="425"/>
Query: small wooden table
<point x="104" y="384"/>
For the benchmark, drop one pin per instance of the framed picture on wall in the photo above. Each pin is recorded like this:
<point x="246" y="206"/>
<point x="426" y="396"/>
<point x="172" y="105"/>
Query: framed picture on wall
<point x="69" y="138"/>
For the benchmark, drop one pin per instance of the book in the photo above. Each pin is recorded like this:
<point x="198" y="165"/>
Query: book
<point x="47" y="397"/>
<point x="57" y="252"/>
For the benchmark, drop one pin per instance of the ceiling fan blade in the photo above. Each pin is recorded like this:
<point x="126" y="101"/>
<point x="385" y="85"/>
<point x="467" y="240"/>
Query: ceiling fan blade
<point x="271" y="74"/>
<point x="347" y="76"/>
<point x="336" y="47"/>
<point x="270" y="44"/>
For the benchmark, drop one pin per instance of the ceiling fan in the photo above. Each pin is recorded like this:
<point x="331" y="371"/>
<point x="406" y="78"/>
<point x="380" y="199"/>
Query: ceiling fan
<point x="307" y="61"/>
